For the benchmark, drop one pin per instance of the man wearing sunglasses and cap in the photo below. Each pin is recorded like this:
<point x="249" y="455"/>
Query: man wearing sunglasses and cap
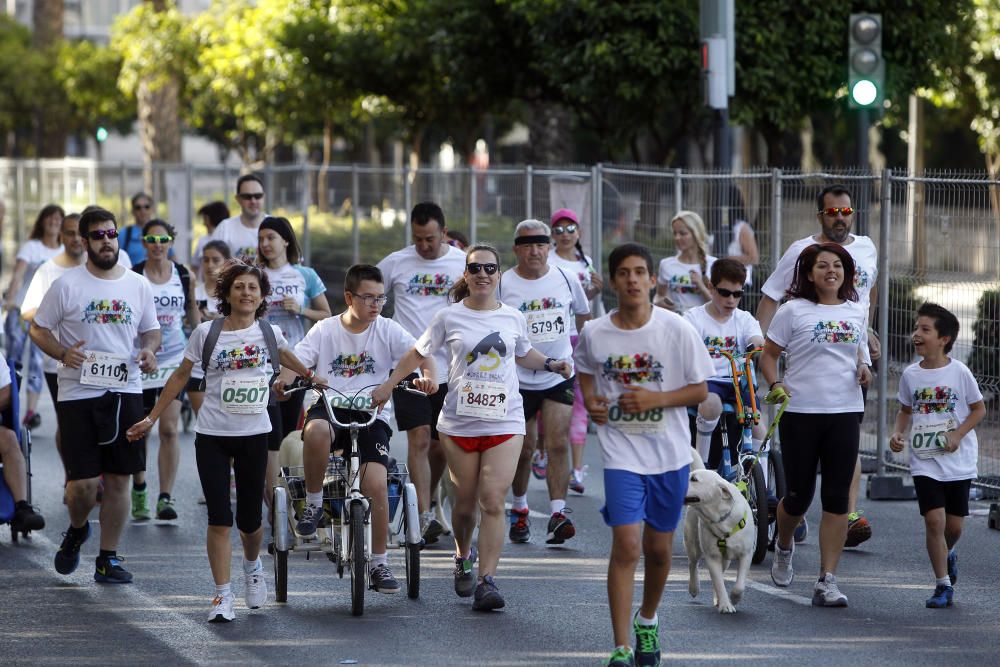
<point x="240" y="231"/>
<point x="550" y="298"/>
<point x="836" y="217"/>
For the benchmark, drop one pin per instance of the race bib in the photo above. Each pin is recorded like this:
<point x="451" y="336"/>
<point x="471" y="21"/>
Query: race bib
<point x="545" y="326"/>
<point x="483" y="400"/>
<point x="244" y="395"/>
<point x="362" y="402"/>
<point x="649" y="422"/>
<point x="103" y="369"/>
<point x="157" y="378"/>
<point x="928" y="439"/>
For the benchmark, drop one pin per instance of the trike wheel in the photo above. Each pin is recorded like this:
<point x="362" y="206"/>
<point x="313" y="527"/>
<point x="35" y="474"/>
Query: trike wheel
<point x="757" y="495"/>
<point x="775" y="488"/>
<point x="356" y="549"/>
<point x="413" y="570"/>
<point x="280" y="576"/>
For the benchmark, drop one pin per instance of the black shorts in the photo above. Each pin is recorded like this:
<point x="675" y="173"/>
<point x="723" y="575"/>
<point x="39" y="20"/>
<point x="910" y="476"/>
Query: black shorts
<point x="812" y="441"/>
<point x="194" y="384"/>
<point x="151" y="396"/>
<point x="373" y="442"/>
<point x="413" y="410"/>
<point x="562" y="393"/>
<point x="87" y="422"/>
<point x="52" y="380"/>
<point x="952" y="496"/>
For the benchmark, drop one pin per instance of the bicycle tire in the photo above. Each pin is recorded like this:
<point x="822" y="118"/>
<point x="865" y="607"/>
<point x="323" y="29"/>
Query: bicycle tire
<point x="411" y="552"/>
<point x="356" y="549"/>
<point x="757" y="495"/>
<point x="280" y="576"/>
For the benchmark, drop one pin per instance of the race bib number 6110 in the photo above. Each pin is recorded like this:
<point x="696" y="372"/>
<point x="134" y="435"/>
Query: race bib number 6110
<point x="103" y="369"/>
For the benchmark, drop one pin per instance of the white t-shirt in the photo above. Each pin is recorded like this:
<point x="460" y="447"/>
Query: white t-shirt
<point x="823" y="344"/>
<point x="419" y="289"/>
<point x="109" y="315"/>
<point x="481" y="345"/>
<point x="296" y="281"/>
<point x="940" y="399"/>
<point x="665" y="354"/>
<point x="34" y="253"/>
<point x="736" y="248"/>
<point x="169" y="298"/>
<point x="4" y="372"/>
<point x="676" y="276"/>
<point x="548" y="304"/>
<point x="242" y="240"/>
<point x="238" y="357"/>
<point x="862" y="250"/>
<point x="733" y="336"/>
<point x="583" y="270"/>
<point x="353" y="362"/>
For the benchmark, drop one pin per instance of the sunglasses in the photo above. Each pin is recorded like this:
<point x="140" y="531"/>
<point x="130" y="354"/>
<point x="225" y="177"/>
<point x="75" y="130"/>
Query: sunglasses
<point x="564" y="229"/>
<point x="247" y="196"/>
<point x="727" y="292"/>
<point x="99" y="234"/>
<point x="475" y="267"/>
<point x="143" y="207"/>
<point x="157" y="238"/>
<point x="832" y="212"/>
<point x="372" y="300"/>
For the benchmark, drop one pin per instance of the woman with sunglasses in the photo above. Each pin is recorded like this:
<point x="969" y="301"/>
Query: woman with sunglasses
<point x="682" y="280"/>
<point x="214" y="254"/>
<point x="567" y="253"/>
<point x="173" y="294"/>
<point x="482" y="421"/>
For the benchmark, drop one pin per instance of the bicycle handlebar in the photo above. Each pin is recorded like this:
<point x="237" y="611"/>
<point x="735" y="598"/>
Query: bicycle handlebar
<point x="302" y="384"/>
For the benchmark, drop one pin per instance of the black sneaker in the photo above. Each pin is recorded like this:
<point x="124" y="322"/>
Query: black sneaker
<point x="465" y="581"/>
<point x="487" y="596"/>
<point x="520" y="526"/>
<point x="165" y="509"/>
<point x="310" y="520"/>
<point x="560" y="528"/>
<point x="68" y="556"/>
<point x="432" y="531"/>
<point x="26" y="518"/>
<point x="109" y="570"/>
<point x="382" y="580"/>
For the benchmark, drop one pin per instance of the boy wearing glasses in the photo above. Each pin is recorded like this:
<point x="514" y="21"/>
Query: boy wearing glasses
<point x="240" y="231"/>
<point x="356" y="351"/>
<point x="722" y="326"/>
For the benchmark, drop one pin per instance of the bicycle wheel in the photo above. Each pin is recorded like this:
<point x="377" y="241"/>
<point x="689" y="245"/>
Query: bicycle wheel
<point x="280" y="539"/>
<point x="356" y="551"/>
<point x="411" y="550"/>
<point x="757" y="495"/>
<point x="775" y="489"/>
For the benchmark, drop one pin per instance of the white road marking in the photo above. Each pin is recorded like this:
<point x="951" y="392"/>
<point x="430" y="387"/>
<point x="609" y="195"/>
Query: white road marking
<point x="780" y="593"/>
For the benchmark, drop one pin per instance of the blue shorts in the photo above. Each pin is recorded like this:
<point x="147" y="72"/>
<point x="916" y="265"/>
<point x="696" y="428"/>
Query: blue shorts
<point x="656" y="499"/>
<point x="727" y="393"/>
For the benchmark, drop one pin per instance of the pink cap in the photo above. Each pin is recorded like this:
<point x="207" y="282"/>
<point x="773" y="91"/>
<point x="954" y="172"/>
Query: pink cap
<point x="563" y="213"/>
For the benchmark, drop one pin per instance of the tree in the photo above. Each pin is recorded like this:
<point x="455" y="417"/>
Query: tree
<point x="88" y="76"/>
<point x="20" y="66"/>
<point x="47" y="36"/>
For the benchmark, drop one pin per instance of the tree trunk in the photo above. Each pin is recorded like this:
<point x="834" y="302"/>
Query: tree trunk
<point x="159" y="126"/>
<point x="993" y="170"/>
<point x="47" y="32"/>
<point x="322" y="192"/>
<point x="47" y="23"/>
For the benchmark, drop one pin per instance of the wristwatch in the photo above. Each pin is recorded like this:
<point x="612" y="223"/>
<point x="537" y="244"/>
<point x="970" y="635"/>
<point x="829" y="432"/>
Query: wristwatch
<point x="548" y="364"/>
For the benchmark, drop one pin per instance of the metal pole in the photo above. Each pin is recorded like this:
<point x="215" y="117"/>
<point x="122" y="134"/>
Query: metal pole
<point x="776" y="184"/>
<point x="722" y="155"/>
<point x="355" y="225"/>
<point x="67" y="188"/>
<point x="528" y="204"/>
<point x="306" y="241"/>
<point x="598" y="221"/>
<point x="473" y="203"/>
<point x="122" y="197"/>
<point x="407" y="202"/>
<point x="19" y="227"/>
<point x="188" y="237"/>
<point x="678" y="191"/>
<point x="883" y="316"/>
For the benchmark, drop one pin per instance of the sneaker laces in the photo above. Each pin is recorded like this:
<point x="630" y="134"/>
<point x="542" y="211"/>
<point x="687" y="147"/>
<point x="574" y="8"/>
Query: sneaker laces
<point x="310" y="513"/>
<point x="621" y="653"/>
<point x="648" y="637"/>
<point x="854" y="516"/>
<point x="521" y="518"/>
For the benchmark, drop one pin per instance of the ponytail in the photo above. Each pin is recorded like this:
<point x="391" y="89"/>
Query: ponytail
<point x="582" y="256"/>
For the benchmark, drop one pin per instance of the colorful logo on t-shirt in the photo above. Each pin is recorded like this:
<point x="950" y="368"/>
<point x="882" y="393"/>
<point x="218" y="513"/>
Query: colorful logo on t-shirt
<point x="239" y="358"/>
<point x="351" y="365"/>
<point x="934" y="400"/>
<point x="108" y="311"/>
<point x="249" y="252"/>
<point x="682" y="284"/>
<point x="426" y="284"/>
<point x="861" y="278"/>
<point x="632" y="369"/>
<point x="836" y="332"/>
<point x="545" y="303"/>
<point x="719" y="343"/>
<point x="489" y="352"/>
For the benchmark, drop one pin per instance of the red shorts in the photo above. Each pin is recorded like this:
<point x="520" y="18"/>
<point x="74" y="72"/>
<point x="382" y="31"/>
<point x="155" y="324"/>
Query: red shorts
<point x="479" y="443"/>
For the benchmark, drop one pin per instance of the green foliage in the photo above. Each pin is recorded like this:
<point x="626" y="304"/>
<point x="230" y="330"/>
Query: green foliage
<point x="88" y="76"/>
<point x="984" y="360"/>
<point x="902" y="314"/>
<point x="19" y="66"/>
<point x="155" y="47"/>
<point x="984" y="71"/>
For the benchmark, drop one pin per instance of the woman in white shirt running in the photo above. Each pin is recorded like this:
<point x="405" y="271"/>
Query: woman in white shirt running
<point x="682" y="280"/>
<point x="482" y="421"/>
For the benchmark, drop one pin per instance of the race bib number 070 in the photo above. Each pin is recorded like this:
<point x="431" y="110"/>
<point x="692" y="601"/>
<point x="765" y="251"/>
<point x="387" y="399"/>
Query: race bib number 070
<point x="103" y="369"/>
<point x="928" y="440"/>
<point x="484" y="400"/>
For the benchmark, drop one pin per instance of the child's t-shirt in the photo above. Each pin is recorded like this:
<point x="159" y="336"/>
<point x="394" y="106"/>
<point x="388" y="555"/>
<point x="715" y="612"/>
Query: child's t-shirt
<point x="733" y="335"/>
<point x="665" y="354"/>
<point x="940" y="399"/>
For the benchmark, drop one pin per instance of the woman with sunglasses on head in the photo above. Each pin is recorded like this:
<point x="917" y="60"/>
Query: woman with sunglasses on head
<point x="682" y="281"/>
<point x="482" y="422"/>
<point x="567" y="253"/>
<point x="173" y="294"/>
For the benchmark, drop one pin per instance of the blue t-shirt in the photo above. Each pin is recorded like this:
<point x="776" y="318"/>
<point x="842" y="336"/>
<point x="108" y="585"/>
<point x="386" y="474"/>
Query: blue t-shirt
<point x="297" y="281"/>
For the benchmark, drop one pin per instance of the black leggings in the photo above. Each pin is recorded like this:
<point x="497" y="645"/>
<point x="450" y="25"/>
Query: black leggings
<point x="827" y="441"/>
<point x="249" y="454"/>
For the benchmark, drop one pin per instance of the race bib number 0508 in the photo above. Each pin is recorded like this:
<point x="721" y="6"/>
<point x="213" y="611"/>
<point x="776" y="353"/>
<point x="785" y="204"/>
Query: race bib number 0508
<point x="484" y="400"/>
<point x="244" y="395"/>
<point x="637" y="423"/>
<point x="103" y="369"/>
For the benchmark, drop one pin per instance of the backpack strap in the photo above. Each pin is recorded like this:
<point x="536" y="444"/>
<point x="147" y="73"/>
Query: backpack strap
<point x="140" y="267"/>
<point x="273" y="354"/>
<point x="185" y="277"/>
<point x="214" y="330"/>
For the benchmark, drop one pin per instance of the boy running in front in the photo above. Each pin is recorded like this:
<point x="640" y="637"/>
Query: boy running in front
<point x="639" y="367"/>
<point x="941" y="404"/>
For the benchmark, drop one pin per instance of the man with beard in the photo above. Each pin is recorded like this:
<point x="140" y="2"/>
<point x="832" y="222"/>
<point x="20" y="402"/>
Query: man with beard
<point x="89" y="320"/>
<point x="836" y="216"/>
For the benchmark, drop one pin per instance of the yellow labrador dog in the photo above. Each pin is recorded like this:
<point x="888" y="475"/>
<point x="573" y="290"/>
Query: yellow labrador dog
<point x="718" y="528"/>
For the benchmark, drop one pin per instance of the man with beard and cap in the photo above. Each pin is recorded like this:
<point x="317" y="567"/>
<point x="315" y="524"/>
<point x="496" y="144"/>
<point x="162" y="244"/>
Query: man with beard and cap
<point x="836" y="217"/>
<point x="90" y="320"/>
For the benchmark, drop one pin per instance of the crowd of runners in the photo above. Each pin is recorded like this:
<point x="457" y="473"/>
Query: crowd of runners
<point x="516" y="364"/>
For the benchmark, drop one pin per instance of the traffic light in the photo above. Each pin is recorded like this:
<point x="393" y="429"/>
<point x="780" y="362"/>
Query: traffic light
<point x="865" y="65"/>
<point x="101" y="134"/>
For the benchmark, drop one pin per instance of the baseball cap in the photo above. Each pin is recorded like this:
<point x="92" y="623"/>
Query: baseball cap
<point x="564" y="213"/>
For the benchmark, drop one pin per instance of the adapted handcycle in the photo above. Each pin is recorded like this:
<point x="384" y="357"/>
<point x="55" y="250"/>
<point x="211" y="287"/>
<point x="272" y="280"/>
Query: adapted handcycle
<point x="346" y="539"/>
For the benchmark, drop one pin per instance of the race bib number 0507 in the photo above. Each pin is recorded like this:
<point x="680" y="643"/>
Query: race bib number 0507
<point x="484" y="400"/>
<point x="103" y="369"/>
<point x="244" y="395"/>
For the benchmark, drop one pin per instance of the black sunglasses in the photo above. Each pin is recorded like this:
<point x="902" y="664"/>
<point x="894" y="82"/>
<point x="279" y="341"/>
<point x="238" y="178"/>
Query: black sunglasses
<point x="99" y="234"/>
<point x="727" y="293"/>
<point x="476" y="267"/>
<point x="247" y="196"/>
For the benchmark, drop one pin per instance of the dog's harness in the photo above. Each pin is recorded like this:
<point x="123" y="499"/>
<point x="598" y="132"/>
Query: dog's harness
<point x="720" y="541"/>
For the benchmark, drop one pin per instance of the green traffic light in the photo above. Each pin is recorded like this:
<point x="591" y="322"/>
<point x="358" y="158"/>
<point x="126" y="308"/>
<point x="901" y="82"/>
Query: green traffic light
<point x="102" y="133"/>
<point x="864" y="92"/>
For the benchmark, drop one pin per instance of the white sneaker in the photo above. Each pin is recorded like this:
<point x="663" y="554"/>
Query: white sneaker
<point x="222" y="609"/>
<point x="782" y="573"/>
<point x="826" y="593"/>
<point x="255" y="587"/>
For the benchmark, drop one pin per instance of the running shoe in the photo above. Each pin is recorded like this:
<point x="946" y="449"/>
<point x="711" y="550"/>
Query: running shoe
<point x="68" y="556"/>
<point x="826" y="593"/>
<point x="858" y="529"/>
<point x="487" y="596"/>
<point x="430" y="528"/>
<point x="647" y="643"/>
<point x="382" y="580"/>
<point x="140" y="504"/>
<point x="520" y="526"/>
<point x="222" y="609"/>
<point x="309" y="521"/>
<point x="576" y="480"/>
<point x="465" y="581"/>
<point x="952" y="566"/>
<point x="255" y="587"/>
<point x="165" y="509"/>
<point x="26" y="518"/>
<point x="801" y="531"/>
<point x="782" y="573"/>
<point x="539" y="464"/>
<point x="621" y="657"/>
<point x="109" y="570"/>
<point x="32" y="420"/>
<point x="943" y="597"/>
<point x="560" y="528"/>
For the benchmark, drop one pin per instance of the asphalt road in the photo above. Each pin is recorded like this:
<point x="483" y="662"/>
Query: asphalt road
<point x="556" y="610"/>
